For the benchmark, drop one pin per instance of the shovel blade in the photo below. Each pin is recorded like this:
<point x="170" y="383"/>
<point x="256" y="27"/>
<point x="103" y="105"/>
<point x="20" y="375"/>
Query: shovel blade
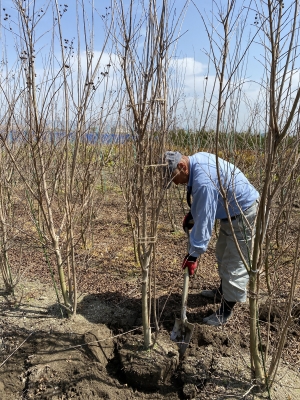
<point x="182" y="333"/>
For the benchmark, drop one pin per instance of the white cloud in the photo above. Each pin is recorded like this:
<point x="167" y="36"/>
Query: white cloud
<point x="191" y="66"/>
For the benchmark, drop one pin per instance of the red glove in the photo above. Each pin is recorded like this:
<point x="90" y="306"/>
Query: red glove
<point x="188" y="221"/>
<point x="191" y="263"/>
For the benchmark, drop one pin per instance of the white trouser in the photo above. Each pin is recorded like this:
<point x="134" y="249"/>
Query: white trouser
<point x="232" y="271"/>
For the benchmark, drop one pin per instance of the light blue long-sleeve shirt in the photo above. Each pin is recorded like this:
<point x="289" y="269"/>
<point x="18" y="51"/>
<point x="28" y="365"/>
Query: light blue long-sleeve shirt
<point x="207" y="202"/>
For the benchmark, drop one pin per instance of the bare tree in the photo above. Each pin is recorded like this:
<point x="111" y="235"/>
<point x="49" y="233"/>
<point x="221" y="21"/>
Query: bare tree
<point x="280" y="190"/>
<point x="144" y="39"/>
<point x="58" y="126"/>
<point x="7" y="214"/>
<point x="271" y="159"/>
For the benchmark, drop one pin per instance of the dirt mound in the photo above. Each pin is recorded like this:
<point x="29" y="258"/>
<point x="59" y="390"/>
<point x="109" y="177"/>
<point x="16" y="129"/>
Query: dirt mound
<point x="45" y="356"/>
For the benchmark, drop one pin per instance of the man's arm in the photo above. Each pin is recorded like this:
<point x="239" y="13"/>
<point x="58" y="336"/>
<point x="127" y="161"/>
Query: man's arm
<point x="204" y="207"/>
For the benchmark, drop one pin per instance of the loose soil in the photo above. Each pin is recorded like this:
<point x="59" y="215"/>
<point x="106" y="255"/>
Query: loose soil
<point x="98" y="354"/>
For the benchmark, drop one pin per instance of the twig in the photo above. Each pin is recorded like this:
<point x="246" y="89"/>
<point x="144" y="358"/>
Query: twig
<point x="97" y="341"/>
<point x="16" y="349"/>
<point x="248" y="391"/>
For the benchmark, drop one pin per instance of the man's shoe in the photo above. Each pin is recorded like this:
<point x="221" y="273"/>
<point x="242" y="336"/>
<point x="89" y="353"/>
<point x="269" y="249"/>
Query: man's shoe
<point x="212" y="294"/>
<point x="218" y="319"/>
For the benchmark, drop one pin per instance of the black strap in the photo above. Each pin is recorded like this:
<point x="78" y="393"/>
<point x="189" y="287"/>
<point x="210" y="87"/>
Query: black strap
<point x="188" y="195"/>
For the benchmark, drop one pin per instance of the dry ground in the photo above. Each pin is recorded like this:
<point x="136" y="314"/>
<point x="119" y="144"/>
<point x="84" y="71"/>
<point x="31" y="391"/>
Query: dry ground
<point x="45" y="356"/>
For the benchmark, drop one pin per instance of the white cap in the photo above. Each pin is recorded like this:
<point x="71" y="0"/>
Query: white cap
<point x="172" y="158"/>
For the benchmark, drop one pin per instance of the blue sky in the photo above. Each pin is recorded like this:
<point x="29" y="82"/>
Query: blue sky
<point x="191" y="45"/>
<point x="190" y="56"/>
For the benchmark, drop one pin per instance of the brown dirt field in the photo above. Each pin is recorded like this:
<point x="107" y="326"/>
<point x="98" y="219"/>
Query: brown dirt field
<point x="45" y="356"/>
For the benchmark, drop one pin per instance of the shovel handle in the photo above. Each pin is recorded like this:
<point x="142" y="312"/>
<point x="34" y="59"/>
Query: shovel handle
<point x="186" y="278"/>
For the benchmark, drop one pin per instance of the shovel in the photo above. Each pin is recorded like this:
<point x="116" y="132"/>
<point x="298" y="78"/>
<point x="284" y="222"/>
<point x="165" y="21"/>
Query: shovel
<point x="183" y="330"/>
